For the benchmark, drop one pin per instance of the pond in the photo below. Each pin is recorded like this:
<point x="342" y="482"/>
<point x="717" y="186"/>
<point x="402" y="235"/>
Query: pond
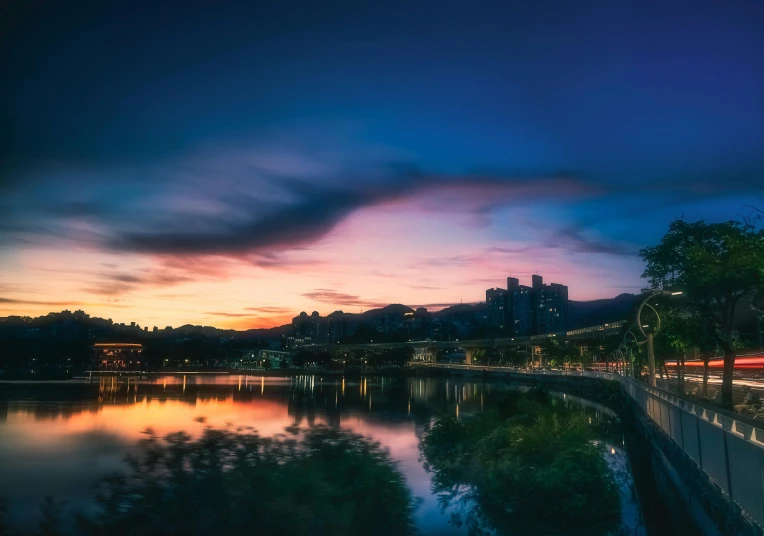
<point x="451" y="459"/>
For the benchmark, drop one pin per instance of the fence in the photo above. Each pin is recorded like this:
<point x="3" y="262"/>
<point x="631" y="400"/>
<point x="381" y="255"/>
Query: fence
<point x="729" y="451"/>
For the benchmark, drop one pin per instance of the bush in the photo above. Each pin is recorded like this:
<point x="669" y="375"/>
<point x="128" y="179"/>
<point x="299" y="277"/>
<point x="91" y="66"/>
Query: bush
<point x="536" y="472"/>
<point x="233" y="482"/>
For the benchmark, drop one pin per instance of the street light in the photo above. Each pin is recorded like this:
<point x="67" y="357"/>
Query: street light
<point x="649" y="334"/>
<point x="631" y="354"/>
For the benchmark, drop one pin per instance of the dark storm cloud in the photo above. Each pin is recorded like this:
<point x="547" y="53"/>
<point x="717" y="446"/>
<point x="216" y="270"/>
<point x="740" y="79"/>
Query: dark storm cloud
<point x="283" y="227"/>
<point x="319" y="209"/>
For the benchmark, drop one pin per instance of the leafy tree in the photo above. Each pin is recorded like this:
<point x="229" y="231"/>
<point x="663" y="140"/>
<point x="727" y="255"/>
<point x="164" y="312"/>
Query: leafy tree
<point x="684" y="330"/>
<point x="524" y="466"/>
<point x="397" y="356"/>
<point x="552" y="352"/>
<point x="238" y="483"/>
<point x="558" y="354"/>
<point x="714" y="265"/>
<point x="515" y="356"/>
<point x="301" y="357"/>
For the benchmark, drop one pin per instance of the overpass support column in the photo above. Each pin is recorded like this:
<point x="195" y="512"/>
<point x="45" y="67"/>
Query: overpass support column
<point x="468" y="357"/>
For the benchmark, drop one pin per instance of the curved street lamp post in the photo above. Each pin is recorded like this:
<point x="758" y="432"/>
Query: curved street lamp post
<point x="650" y="332"/>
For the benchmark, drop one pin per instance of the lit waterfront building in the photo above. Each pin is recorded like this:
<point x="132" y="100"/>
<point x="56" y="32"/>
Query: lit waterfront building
<point x="117" y="356"/>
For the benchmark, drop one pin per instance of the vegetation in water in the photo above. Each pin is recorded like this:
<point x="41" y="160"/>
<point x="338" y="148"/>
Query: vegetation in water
<point x="527" y="466"/>
<point x="324" y="482"/>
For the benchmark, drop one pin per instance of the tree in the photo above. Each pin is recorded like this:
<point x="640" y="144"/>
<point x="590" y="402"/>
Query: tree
<point x="683" y="330"/>
<point x="524" y="466"/>
<point x="557" y="354"/>
<point x="714" y="265"/>
<point x="236" y="482"/>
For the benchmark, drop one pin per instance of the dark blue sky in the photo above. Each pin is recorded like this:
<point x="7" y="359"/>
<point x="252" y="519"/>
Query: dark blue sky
<point x="256" y="129"/>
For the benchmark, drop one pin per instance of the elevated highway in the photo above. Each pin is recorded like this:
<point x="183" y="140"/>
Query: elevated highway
<point x="588" y="334"/>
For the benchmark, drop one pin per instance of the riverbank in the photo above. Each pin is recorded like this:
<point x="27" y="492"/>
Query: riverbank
<point x="86" y="376"/>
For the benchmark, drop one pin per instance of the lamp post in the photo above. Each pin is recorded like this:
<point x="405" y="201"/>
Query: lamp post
<point x="621" y="359"/>
<point x="631" y="354"/>
<point x="650" y="332"/>
<point x="624" y="351"/>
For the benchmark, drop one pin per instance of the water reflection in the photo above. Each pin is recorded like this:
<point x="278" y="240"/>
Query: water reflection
<point x="530" y="464"/>
<point x="60" y="439"/>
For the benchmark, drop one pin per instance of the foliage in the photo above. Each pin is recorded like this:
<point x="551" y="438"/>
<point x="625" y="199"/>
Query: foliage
<point x="715" y="265"/>
<point x="556" y="354"/>
<point x="522" y="465"/>
<point x="236" y="482"/>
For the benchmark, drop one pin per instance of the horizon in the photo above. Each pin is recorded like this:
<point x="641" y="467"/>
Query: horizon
<point x="441" y="307"/>
<point x="258" y="161"/>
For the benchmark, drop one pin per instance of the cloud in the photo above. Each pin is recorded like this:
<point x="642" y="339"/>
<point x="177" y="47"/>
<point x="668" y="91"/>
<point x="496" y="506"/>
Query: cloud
<point x="259" y="203"/>
<point x="306" y="212"/>
<point x="229" y="315"/>
<point x="13" y="301"/>
<point x="454" y="260"/>
<point x="58" y="303"/>
<point x="439" y="306"/>
<point x="484" y="281"/>
<point x="270" y="310"/>
<point x="338" y="298"/>
<point x="573" y="239"/>
<point x="262" y="202"/>
<point x="111" y="284"/>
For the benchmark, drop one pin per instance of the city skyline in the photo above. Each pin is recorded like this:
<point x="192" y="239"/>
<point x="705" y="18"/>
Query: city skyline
<point x="259" y="161"/>
<point x="324" y="314"/>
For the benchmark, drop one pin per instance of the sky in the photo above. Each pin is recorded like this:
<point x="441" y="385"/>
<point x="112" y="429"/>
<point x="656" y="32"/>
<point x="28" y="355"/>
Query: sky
<point x="233" y="165"/>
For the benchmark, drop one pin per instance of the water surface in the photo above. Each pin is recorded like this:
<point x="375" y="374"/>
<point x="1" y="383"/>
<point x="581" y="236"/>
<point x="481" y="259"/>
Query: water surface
<point x="59" y="439"/>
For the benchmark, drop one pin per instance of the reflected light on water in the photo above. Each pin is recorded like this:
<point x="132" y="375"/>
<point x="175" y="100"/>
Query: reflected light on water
<point x="61" y="444"/>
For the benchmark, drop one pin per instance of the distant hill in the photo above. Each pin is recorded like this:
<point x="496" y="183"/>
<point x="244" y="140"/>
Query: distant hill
<point x="582" y="314"/>
<point x="210" y="331"/>
<point x="394" y="309"/>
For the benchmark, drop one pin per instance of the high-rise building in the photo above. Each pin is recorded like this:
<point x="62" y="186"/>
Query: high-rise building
<point x="496" y="301"/>
<point x="550" y="305"/>
<point x="521" y="310"/>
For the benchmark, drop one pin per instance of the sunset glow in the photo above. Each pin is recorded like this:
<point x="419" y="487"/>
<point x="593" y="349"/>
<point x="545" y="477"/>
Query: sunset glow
<point x="208" y="185"/>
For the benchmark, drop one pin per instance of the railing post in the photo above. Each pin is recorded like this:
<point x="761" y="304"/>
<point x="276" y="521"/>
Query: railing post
<point x="727" y="464"/>
<point x="700" y="450"/>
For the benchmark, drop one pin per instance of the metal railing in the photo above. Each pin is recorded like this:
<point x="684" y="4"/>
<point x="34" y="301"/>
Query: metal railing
<point x="729" y="451"/>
